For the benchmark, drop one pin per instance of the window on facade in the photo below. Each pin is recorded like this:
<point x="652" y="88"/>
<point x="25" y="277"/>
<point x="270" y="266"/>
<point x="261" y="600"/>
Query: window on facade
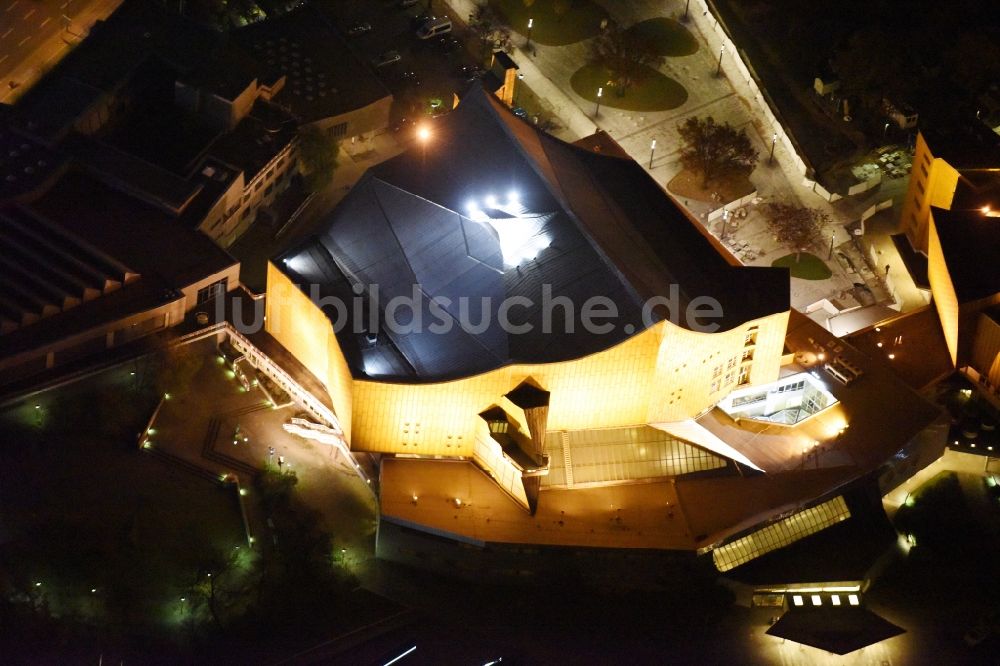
<point x="748" y="354"/>
<point x="270" y="174"/>
<point x="339" y="129"/>
<point x="731" y="363"/>
<point x="730" y="377"/>
<point x="716" y="371"/>
<point x="270" y="188"/>
<point x="744" y="377"/>
<point x="715" y="386"/>
<point x="751" y="337"/>
<point x="260" y="183"/>
<point x="212" y="290"/>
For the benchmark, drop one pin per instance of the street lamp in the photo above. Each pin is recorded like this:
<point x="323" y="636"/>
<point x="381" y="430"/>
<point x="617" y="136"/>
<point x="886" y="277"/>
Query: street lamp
<point x="774" y="139"/>
<point x="686" y="6"/>
<point x="652" y="149"/>
<point x="725" y="220"/>
<point x="597" y="110"/>
<point x="829" y="255"/>
<point x="718" y="68"/>
<point x="531" y="23"/>
<point x="885" y="130"/>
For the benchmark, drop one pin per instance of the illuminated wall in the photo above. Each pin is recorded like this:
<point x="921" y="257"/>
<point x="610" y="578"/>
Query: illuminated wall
<point x="664" y="373"/>
<point x="302" y="328"/>
<point x="945" y="300"/>
<point x="986" y="349"/>
<point x="932" y="183"/>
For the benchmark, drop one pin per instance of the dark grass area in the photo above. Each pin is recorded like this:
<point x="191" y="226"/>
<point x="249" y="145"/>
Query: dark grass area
<point x="947" y="582"/>
<point x="556" y="22"/>
<point x="655" y="92"/>
<point x="805" y="266"/>
<point x="666" y="36"/>
<point x="85" y="510"/>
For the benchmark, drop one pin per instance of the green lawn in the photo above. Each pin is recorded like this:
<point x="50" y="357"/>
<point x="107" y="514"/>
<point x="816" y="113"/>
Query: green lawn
<point x="580" y="20"/>
<point x="808" y="267"/>
<point x="667" y="36"/>
<point x="656" y="92"/>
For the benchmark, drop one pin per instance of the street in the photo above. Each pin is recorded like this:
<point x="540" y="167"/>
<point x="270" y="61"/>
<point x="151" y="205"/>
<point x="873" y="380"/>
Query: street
<point x="36" y="34"/>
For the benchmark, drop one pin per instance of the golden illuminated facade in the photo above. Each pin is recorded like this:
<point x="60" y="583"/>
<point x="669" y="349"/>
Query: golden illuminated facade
<point x="932" y="183"/>
<point x="663" y="374"/>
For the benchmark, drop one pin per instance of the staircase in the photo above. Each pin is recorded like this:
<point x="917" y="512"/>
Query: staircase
<point x="567" y="458"/>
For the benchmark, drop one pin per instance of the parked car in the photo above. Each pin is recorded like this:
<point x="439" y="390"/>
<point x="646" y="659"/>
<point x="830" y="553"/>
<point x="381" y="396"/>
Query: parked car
<point x="520" y="113"/>
<point x="359" y="29"/>
<point x="448" y="44"/>
<point x="468" y="73"/>
<point x="387" y="58"/>
<point x="434" y="27"/>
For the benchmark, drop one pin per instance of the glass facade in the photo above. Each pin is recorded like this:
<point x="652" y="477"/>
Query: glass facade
<point x="780" y="534"/>
<point x="623" y="454"/>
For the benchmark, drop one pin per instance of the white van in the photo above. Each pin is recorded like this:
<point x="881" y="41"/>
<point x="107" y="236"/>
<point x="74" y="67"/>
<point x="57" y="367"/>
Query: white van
<point x="434" y="27"/>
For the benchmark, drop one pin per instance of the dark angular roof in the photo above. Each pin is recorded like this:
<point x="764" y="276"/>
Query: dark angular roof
<point x="596" y="225"/>
<point x="970" y="242"/>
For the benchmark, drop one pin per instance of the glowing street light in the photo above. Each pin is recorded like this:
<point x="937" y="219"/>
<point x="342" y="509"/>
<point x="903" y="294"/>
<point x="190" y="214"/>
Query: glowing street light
<point x="423" y="133"/>
<point x="774" y="140"/>
<point x="718" y="68"/>
<point x="531" y="24"/>
<point x="597" y="110"/>
<point x="652" y="149"/>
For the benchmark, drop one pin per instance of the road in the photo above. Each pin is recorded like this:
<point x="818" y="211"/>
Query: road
<point x="36" y="34"/>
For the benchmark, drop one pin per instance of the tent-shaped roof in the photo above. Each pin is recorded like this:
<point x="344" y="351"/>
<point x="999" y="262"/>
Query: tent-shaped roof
<point x="838" y="630"/>
<point x="490" y="208"/>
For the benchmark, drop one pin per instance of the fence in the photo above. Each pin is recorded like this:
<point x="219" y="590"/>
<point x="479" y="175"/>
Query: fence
<point x="874" y="181"/>
<point x="732" y="205"/>
<point x="872" y="210"/>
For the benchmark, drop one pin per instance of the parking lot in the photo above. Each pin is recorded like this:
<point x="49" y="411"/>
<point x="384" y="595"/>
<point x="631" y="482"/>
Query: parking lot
<point x="426" y="70"/>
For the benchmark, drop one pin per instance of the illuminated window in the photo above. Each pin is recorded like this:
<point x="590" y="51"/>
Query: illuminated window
<point x="816" y="600"/>
<point x="797" y="600"/>
<point x="835" y="599"/>
<point x="853" y="599"/>
<point x="780" y="534"/>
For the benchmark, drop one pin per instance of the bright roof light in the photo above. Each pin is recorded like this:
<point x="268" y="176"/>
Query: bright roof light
<point x="297" y="264"/>
<point x="471" y="206"/>
<point x="491" y="201"/>
<point x="513" y="196"/>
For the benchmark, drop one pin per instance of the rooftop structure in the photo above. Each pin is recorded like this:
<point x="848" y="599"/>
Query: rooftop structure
<point x="522" y="214"/>
<point x="557" y="436"/>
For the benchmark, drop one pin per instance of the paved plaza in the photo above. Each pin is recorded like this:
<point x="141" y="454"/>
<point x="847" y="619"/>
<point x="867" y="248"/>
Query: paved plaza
<point x="217" y="426"/>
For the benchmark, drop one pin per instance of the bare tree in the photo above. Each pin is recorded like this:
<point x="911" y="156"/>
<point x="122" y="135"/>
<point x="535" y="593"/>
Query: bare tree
<point x="798" y="227"/>
<point x="318" y="149"/>
<point x="492" y="33"/>
<point x="715" y="150"/>
<point x="627" y="58"/>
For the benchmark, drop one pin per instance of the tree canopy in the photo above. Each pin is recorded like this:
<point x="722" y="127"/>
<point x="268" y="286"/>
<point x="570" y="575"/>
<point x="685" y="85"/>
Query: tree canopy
<point x="490" y="29"/>
<point x="715" y="150"/>
<point x="799" y="227"/>
<point x="627" y="58"/>
<point x="319" y="149"/>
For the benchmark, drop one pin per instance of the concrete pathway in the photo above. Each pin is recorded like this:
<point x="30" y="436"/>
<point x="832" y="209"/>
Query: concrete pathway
<point x="547" y="71"/>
